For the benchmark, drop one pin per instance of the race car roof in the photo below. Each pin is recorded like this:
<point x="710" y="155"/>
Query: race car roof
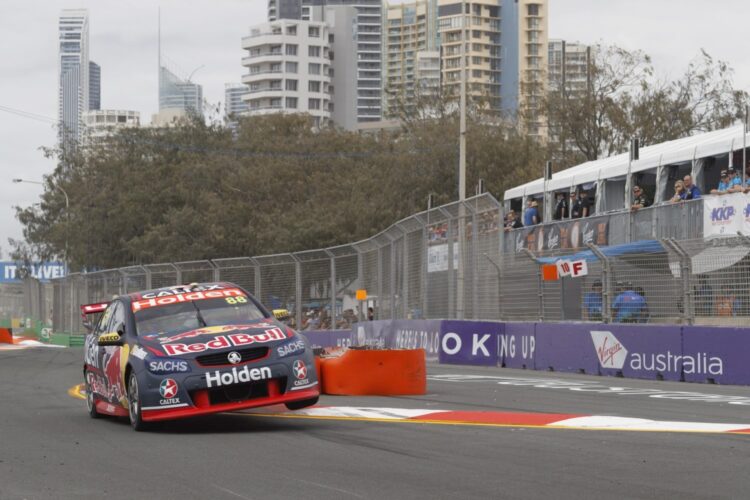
<point x="176" y="289"/>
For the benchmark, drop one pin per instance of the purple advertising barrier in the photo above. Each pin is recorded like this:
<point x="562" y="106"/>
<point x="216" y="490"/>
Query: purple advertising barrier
<point x="717" y="353"/>
<point x="638" y="351"/>
<point x="327" y="338"/>
<point x="634" y="351"/>
<point x="564" y="347"/>
<point x="372" y="333"/>
<point x="470" y="342"/>
<point x="417" y="334"/>
<point x="516" y="346"/>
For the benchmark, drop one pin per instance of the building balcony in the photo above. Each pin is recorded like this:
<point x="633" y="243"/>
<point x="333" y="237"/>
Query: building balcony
<point x="260" y="76"/>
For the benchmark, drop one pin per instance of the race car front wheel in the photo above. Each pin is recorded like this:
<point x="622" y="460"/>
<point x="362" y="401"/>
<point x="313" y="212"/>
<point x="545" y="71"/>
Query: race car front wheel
<point x="134" y="404"/>
<point x="90" y="402"/>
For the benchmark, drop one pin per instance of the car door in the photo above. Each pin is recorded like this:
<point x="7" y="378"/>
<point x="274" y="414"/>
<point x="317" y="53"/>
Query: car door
<point x="93" y="356"/>
<point x="111" y="361"/>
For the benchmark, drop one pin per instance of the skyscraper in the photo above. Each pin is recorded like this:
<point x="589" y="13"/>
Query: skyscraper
<point x="233" y="103"/>
<point x="367" y="38"/>
<point x="95" y="86"/>
<point x="176" y="93"/>
<point x="411" y="61"/>
<point x="73" y="74"/>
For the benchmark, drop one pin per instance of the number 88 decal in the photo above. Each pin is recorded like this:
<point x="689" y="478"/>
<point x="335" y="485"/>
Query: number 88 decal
<point x="236" y="300"/>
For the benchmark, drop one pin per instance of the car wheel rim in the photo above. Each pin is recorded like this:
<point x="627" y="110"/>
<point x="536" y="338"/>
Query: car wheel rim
<point x="133" y="399"/>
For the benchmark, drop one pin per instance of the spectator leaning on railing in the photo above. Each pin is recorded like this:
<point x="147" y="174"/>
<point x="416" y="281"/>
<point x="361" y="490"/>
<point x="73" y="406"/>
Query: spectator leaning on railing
<point x="691" y="190"/>
<point x="592" y="303"/>
<point x="512" y="221"/>
<point x="561" y="209"/>
<point x="640" y="200"/>
<point x="579" y="206"/>
<point x="679" y="192"/>
<point x="729" y="183"/>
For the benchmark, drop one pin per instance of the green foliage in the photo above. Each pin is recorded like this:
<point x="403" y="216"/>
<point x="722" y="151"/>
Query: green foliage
<point x="276" y="184"/>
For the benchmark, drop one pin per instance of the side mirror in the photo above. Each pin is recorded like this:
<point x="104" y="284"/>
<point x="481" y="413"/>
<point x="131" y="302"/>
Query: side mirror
<point x="110" y="339"/>
<point x="88" y="326"/>
<point x="120" y="329"/>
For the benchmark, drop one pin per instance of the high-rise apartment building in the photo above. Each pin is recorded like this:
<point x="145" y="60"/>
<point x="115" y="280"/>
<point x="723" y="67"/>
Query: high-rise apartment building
<point x="288" y="69"/>
<point x="95" y="86"/>
<point x="483" y="49"/>
<point x="73" y="74"/>
<point x="411" y="54"/>
<point x="101" y="123"/>
<point x="176" y="93"/>
<point x="367" y="31"/>
<point x="524" y="62"/>
<point x="233" y="103"/>
<point x="568" y="66"/>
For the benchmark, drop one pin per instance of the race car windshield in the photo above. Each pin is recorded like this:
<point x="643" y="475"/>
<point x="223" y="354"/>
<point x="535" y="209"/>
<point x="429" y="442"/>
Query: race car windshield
<point x="183" y="316"/>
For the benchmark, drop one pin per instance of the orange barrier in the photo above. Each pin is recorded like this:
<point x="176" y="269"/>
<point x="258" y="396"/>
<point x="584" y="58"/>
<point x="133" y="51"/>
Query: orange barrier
<point x="374" y="373"/>
<point x="6" y="336"/>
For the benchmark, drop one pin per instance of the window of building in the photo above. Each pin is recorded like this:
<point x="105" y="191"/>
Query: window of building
<point x="313" y="68"/>
<point x="476" y="73"/>
<point x="291" y="30"/>
<point x="313" y="104"/>
<point x="313" y="86"/>
<point x="330" y="38"/>
<point x="254" y="87"/>
<point x="275" y="85"/>
<point x="313" y="51"/>
<point x="476" y="60"/>
<point x="313" y="31"/>
<point x="291" y="49"/>
<point x="291" y="103"/>
<point x="276" y="102"/>
<point x="291" y="84"/>
<point x="291" y="67"/>
<point x="533" y="9"/>
<point x="275" y="68"/>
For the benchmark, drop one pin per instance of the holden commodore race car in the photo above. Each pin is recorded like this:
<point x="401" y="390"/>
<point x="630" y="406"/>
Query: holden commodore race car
<point x="192" y="350"/>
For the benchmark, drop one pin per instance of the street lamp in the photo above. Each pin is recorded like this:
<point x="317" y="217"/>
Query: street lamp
<point x="67" y="211"/>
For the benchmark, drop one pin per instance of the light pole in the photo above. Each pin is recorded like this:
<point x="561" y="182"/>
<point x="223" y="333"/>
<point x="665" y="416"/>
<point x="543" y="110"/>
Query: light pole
<point x="67" y="213"/>
<point x="461" y="169"/>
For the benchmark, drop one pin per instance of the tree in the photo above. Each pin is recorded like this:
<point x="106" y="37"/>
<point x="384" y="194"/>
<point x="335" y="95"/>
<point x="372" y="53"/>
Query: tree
<point x="623" y="98"/>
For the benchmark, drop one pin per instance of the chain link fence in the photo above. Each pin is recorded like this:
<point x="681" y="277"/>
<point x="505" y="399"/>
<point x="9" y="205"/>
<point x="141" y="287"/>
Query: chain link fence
<point x="456" y="261"/>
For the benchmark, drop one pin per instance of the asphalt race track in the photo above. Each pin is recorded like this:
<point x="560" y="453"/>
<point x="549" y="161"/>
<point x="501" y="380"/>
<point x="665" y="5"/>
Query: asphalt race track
<point x="50" y="448"/>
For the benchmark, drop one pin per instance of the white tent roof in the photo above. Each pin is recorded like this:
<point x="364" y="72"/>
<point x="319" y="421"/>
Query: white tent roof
<point x="667" y="153"/>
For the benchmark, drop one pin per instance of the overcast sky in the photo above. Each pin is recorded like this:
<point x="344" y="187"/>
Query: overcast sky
<point x="123" y="41"/>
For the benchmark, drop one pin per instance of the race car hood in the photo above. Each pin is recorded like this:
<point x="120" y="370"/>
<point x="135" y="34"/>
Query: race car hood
<point x="217" y="338"/>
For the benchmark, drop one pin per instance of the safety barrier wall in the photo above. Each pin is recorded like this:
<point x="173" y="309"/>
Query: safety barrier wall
<point x="661" y="352"/>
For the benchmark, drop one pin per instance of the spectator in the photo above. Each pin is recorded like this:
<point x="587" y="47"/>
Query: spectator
<point x="531" y="215"/>
<point x="691" y="190"/>
<point x="729" y="183"/>
<point x="370" y="314"/>
<point x="679" y="192"/>
<point x="585" y="203"/>
<point x="592" y="303"/>
<point x="576" y="207"/>
<point x="561" y="209"/>
<point x="727" y="303"/>
<point x="640" y="200"/>
<point x="629" y="306"/>
<point x="512" y="221"/>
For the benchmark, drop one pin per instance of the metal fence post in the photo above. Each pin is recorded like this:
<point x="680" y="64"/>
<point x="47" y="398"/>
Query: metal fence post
<point x="334" y="292"/>
<point x="474" y="266"/>
<point x="298" y="290"/>
<point x="423" y="271"/>
<point x="451" y="277"/>
<point x="688" y="307"/>
<point x="540" y="293"/>
<point x="405" y="276"/>
<point x="606" y="282"/>
<point x="256" y="278"/>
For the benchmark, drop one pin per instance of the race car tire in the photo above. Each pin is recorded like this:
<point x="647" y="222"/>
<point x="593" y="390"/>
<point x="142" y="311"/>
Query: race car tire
<point x="134" y="404"/>
<point x="90" y="402"/>
<point x="298" y="405"/>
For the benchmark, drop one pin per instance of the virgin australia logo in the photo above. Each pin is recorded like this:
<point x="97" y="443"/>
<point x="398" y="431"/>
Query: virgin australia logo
<point x="610" y="352"/>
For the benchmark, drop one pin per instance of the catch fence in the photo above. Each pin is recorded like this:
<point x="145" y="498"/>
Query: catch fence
<point x="456" y="261"/>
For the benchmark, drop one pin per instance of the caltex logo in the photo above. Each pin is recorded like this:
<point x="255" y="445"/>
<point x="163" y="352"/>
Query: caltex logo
<point x="234" y="357"/>
<point x="168" y="388"/>
<point x="300" y="370"/>
<point x="610" y="352"/>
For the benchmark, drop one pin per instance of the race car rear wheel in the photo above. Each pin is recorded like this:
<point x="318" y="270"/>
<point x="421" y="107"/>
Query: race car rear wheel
<point x="298" y="405"/>
<point x="90" y="401"/>
<point x="134" y="404"/>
